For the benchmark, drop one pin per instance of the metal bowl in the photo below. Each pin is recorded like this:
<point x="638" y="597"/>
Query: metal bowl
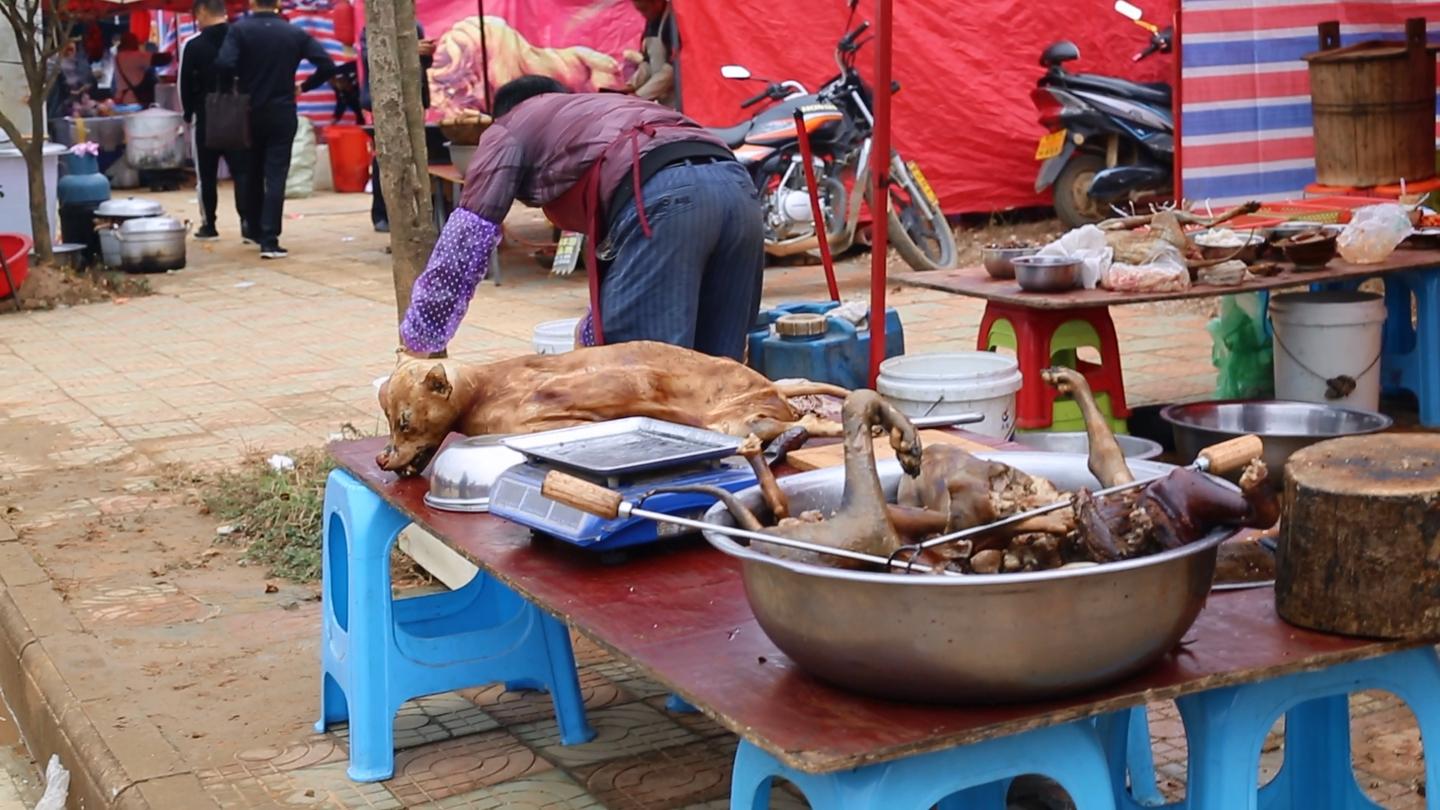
<point x="1251" y="247"/>
<point x="1285" y="230"/>
<point x="1079" y="443"/>
<point x="997" y="261"/>
<point x="1047" y="273"/>
<point x="978" y="638"/>
<point x="1284" y="426"/>
<point x="1310" y="253"/>
<point x="464" y="471"/>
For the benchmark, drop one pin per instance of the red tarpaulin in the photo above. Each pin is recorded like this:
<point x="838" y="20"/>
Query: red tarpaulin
<point x="966" y="71"/>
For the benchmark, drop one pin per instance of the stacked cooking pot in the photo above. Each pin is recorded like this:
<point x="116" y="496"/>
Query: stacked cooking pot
<point x="137" y="237"/>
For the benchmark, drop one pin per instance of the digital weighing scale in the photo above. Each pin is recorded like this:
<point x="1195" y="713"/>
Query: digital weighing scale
<point x="630" y="456"/>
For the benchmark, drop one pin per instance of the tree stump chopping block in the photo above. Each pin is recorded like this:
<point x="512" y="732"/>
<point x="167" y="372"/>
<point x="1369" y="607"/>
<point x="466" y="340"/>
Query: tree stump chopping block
<point x="1359" y="550"/>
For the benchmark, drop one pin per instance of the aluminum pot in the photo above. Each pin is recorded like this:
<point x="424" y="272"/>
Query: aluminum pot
<point x="1284" y="426"/>
<point x="155" y="139"/>
<point x="972" y="639"/>
<point x="1132" y="447"/>
<point x="152" y="244"/>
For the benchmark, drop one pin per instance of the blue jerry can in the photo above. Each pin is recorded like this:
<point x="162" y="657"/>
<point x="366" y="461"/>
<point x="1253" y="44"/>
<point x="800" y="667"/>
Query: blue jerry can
<point x="838" y="354"/>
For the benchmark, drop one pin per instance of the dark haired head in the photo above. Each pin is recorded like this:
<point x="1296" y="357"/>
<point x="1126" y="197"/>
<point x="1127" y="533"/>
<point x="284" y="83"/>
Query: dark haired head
<point x="513" y="92"/>
<point x="214" y="8"/>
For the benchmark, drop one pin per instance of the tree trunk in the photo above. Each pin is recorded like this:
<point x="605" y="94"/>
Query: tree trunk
<point x="34" y="154"/>
<point x="395" y="77"/>
<point x="1359" y="549"/>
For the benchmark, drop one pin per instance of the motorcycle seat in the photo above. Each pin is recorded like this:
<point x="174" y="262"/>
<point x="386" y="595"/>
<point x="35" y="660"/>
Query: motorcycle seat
<point x="733" y="136"/>
<point x="1157" y="93"/>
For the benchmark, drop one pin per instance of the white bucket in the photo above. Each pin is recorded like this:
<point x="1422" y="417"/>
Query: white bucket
<point x="555" y="337"/>
<point x="956" y="382"/>
<point x="1320" y="336"/>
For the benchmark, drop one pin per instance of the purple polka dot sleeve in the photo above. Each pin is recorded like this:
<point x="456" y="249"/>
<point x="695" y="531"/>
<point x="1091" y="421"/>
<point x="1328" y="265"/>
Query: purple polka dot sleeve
<point x="442" y="293"/>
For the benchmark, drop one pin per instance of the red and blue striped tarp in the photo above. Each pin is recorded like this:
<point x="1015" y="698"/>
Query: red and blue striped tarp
<point x="1245" y="122"/>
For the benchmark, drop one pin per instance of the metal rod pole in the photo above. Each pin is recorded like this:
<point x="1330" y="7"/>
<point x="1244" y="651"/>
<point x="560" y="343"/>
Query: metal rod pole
<point x="484" y="59"/>
<point x="1176" y="97"/>
<point x="880" y="190"/>
<point x="822" y="228"/>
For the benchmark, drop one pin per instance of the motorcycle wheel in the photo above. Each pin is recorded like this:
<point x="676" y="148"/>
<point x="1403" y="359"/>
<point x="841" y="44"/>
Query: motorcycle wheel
<point x="918" y="230"/>
<point x="1073" y="203"/>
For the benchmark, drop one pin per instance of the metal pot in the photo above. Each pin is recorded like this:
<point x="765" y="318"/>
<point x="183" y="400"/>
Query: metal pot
<point x="155" y="139"/>
<point x="152" y="244"/>
<point x="1284" y="426"/>
<point x="114" y="212"/>
<point x="976" y="638"/>
<point x="1132" y="447"/>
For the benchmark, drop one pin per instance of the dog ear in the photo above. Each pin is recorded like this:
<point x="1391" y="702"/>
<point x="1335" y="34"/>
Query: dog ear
<point x="437" y="381"/>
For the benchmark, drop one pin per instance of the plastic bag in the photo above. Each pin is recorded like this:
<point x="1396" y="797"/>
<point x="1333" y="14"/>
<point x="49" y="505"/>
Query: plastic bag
<point x="1242" y="351"/>
<point x="1164" y="270"/>
<point x="57" y="786"/>
<point x="1374" y="232"/>
<point x="301" y="180"/>
<point x="1086" y="243"/>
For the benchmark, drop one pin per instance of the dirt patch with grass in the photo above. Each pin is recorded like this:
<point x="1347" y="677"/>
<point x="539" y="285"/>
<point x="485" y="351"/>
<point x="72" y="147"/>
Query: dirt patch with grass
<point x="49" y="287"/>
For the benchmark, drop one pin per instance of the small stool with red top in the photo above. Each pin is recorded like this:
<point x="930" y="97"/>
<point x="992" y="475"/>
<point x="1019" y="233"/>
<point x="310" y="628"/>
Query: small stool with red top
<point x="1038" y="343"/>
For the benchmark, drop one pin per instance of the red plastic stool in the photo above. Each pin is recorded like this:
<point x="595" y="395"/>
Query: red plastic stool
<point x="1034" y="330"/>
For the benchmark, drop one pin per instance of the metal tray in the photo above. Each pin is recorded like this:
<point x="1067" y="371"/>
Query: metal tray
<point x="624" y="446"/>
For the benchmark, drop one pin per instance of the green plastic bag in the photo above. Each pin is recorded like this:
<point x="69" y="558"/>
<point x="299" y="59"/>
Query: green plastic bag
<point x="1242" y="350"/>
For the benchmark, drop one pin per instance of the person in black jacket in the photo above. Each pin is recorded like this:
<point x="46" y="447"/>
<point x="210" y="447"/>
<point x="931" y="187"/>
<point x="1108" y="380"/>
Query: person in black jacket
<point x="264" y="50"/>
<point x="379" y="215"/>
<point x="199" y="78"/>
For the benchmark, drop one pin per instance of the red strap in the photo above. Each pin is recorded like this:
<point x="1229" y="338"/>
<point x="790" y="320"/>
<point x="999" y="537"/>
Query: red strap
<point x="592" y="267"/>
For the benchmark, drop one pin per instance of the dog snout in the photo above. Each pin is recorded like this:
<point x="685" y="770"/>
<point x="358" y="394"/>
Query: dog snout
<point x="384" y="459"/>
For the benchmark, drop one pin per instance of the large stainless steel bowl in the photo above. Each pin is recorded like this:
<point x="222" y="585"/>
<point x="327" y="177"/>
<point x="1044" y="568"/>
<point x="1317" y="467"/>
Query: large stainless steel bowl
<point x="1047" y="273"/>
<point x="1284" y="426"/>
<point x="972" y="639"/>
<point x="464" y="471"/>
<point x="1077" y="442"/>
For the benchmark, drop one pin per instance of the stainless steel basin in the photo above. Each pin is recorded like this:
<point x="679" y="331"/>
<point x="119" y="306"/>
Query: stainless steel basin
<point x="972" y="639"/>
<point x="1284" y="426"/>
<point x="1133" y="447"/>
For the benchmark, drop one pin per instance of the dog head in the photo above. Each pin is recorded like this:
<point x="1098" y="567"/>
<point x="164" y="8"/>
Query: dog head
<point x="420" y="404"/>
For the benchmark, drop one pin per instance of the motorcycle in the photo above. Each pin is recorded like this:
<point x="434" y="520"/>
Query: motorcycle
<point x="840" y="127"/>
<point x="1110" y="140"/>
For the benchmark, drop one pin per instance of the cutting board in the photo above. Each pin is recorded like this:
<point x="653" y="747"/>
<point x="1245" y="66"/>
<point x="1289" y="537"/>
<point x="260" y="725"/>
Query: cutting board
<point x="833" y="455"/>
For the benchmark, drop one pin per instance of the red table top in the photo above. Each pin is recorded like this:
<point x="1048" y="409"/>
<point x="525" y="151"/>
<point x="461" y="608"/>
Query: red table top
<point x="679" y="612"/>
<point x="976" y="283"/>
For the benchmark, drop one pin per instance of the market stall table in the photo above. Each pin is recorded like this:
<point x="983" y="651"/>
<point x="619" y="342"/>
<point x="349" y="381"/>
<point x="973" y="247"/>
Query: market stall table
<point x="679" y="612"/>
<point x="1411" y="358"/>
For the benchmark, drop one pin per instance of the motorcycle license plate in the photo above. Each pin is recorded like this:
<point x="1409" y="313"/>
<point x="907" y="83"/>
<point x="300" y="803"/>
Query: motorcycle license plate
<point x="922" y="183"/>
<point x="1050" y="145"/>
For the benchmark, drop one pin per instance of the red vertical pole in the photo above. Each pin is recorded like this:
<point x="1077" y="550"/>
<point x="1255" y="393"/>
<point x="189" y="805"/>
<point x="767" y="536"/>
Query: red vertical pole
<point x="822" y="228"/>
<point x="880" y="189"/>
<point x="1175" y="101"/>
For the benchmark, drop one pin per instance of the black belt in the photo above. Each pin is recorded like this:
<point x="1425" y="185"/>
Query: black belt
<point x="704" y="160"/>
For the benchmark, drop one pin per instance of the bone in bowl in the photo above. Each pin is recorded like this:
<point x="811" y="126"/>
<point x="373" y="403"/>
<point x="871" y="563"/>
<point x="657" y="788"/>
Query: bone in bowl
<point x="1311" y="250"/>
<point x="464" y="471"/>
<point x="974" y="638"/>
<point x="998" y="259"/>
<point x="1282" y="425"/>
<point x="1226" y="244"/>
<point x="1047" y="273"/>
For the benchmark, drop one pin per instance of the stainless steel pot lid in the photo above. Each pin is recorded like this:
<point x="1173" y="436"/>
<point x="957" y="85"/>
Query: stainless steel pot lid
<point x="129" y="207"/>
<point x="139" y="225"/>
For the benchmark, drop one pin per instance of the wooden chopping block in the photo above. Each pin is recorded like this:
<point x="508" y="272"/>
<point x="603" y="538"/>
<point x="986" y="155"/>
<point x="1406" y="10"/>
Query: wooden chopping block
<point x="1359" y="549"/>
<point x="833" y="455"/>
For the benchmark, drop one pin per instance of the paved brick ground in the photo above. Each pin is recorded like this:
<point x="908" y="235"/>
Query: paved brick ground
<point x="234" y="355"/>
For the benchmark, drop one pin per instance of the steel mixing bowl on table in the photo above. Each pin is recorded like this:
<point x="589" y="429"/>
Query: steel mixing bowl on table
<point x="976" y="638"/>
<point x="999" y="261"/>
<point x="1047" y="273"/>
<point x="464" y="471"/>
<point x="1282" y="425"/>
<point x="1132" y="447"/>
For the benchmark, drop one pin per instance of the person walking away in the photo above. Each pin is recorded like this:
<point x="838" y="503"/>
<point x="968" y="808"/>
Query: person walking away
<point x="379" y="215"/>
<point x="199" y="78"/>
<point x="683" y="247"/>
<point x="263" y="51"/>
<point x="657" y="77"/>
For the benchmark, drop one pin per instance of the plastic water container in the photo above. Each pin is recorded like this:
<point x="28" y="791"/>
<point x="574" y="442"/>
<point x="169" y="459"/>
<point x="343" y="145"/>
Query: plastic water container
<point x="1322" y="336"/>
<point x="555" y="337"/>
<point x="839" y="354"/>
<point x="941" y="384"/>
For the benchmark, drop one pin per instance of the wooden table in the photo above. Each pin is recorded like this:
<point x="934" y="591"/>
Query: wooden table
<point x="679" y="612"/>
<point x="976" y="283"/>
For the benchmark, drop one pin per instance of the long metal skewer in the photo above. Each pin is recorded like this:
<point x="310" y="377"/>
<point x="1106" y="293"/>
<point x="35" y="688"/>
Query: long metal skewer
<point x="609" y="504"/>
<point x="1219" y="459"/>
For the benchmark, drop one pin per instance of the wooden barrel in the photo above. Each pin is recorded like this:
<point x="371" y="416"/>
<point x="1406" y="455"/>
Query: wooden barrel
<point x="1374" y="109"/>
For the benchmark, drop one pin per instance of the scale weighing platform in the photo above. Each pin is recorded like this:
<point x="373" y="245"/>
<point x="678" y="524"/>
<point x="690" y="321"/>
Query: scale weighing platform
<point x="631" y="456"/>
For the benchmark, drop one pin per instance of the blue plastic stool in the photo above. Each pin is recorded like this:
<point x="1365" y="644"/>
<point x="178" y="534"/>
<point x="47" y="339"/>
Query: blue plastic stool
<point x="1126" y="735"/>
<point x="1411" y="357"/>
<point x="377" y="653"/>
<point x="1226" y="728"/>
<point x="969" y="776"/>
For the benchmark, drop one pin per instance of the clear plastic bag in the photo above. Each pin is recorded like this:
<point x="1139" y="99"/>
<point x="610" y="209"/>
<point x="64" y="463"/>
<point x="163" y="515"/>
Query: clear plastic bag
<point x="1088" y="244"/>
<point x="57" y="786"/>
<point x="1374" y="232"/>
<point x="1242" y="351"/>
<point x="1164" y="270"/>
